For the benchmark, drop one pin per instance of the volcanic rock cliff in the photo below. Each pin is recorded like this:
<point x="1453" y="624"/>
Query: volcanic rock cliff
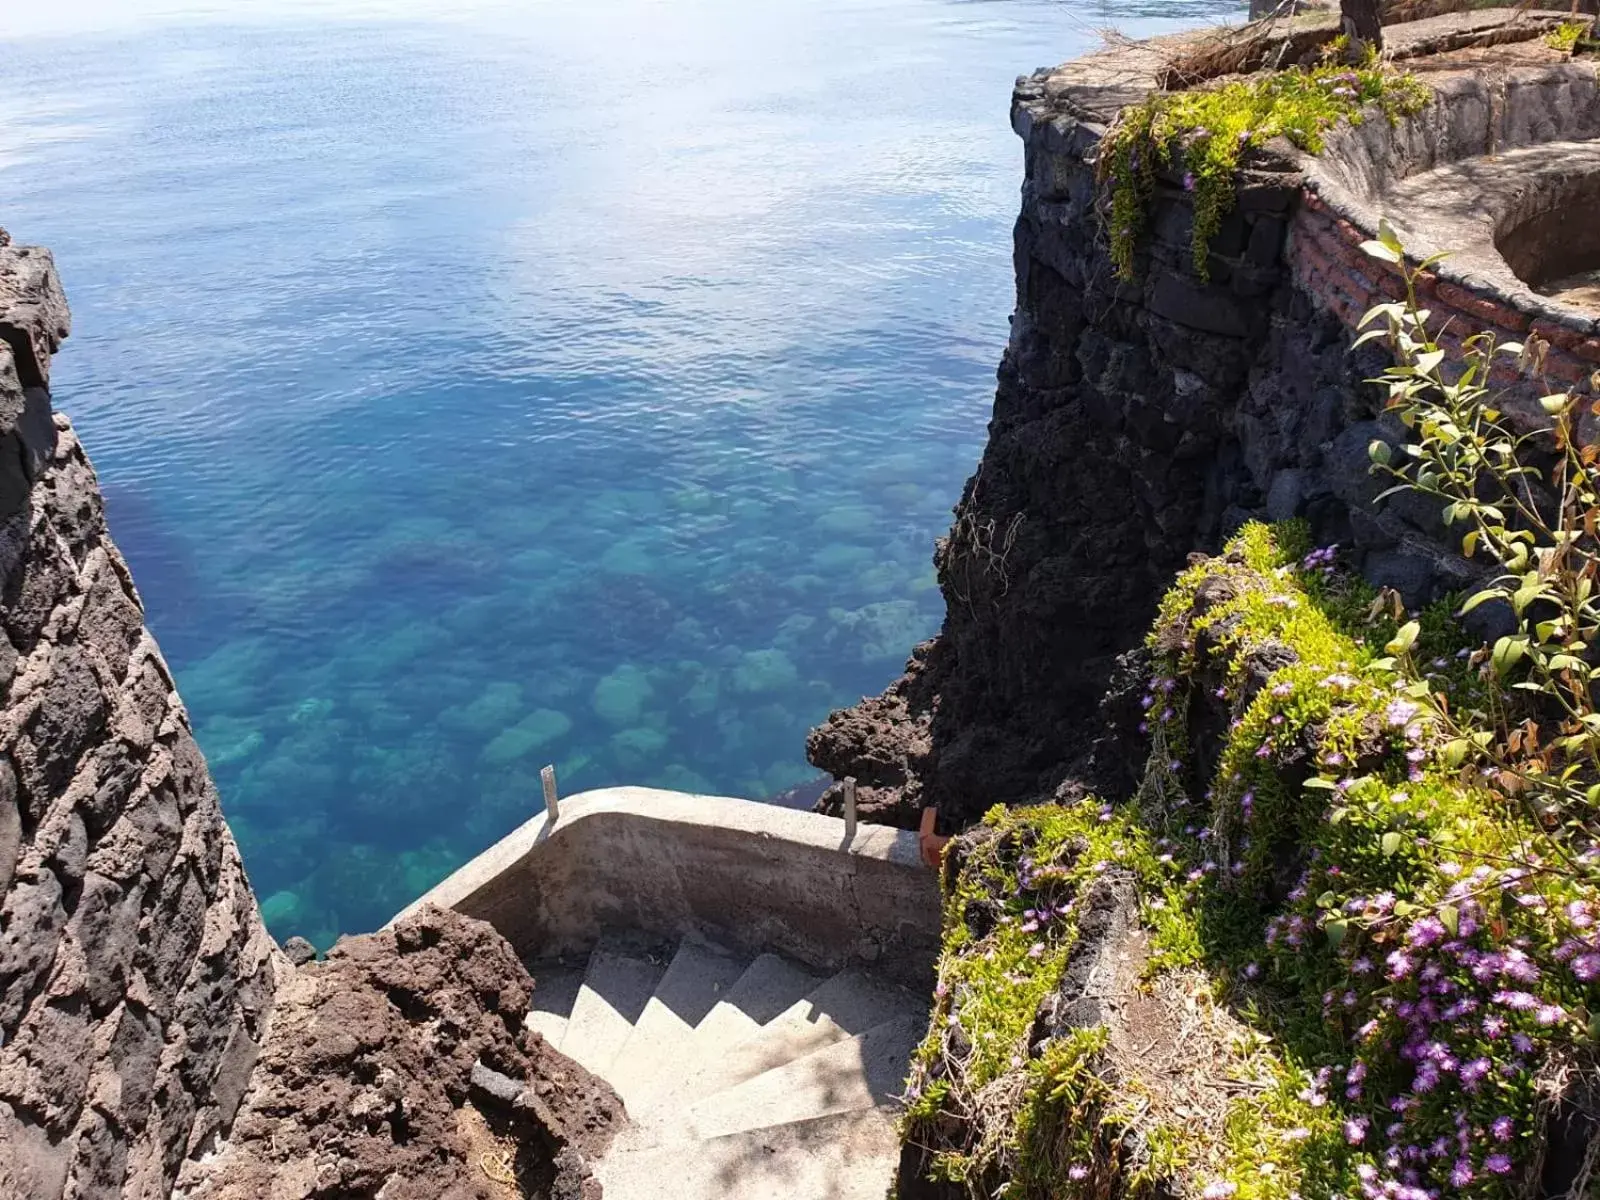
<point x="1138" y="420"/>
<point x="149" y="1027"/>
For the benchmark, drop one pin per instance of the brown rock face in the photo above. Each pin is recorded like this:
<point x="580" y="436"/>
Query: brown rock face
<point x="135" y="974"/>
<point x="399" y="1067"/>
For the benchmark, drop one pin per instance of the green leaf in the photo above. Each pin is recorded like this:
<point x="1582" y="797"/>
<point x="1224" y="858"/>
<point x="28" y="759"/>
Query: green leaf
<point x="1469" y="544"/>
<point x="1404" y="908"/>
<point x="1336" y="931"/>
<point x="1380" y="452"/>
<point x="1379" y="250"/>
<point x="1428" y="363"/>
<point x="1327" y="900"/>
<point x="1554" y="404"/>
<point x="1450" y="918"/>
<point x="1390" y="844"/>
<point x="1479" y="598"/>
<point x="1405" y="638"/>
<point x="1507" y="653"/>
<point x="1322" y="784"/>
<point x="1455" y="752"/>
<point x="1387" y="237"/>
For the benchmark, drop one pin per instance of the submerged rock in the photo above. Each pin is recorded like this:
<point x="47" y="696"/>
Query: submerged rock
<point x="535" y="731"/>
<point x="620" y="697"/>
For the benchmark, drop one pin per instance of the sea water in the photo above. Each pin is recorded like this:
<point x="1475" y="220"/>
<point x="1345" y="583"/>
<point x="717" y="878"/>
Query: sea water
<point x="479" y="386"/>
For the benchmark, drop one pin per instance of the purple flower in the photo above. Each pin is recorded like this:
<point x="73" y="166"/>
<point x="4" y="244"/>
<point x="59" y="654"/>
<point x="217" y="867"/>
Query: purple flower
<point x="1077" y="1172"/>
<point x="1188" y="181"/>
<point x="1355" y="1130"/>
<point x="1503" y="1128"/>
<point x="1461" y="1174"/>
<point x="1220" y="1189"/>
<point x="1474" y="1073"/>
<point x="1517" y="1001"/>
<point x="1551" y="1014"/>
<point x="1400" y="965"/>
<point x="1498" y="1164"/>
<point x="1399" y="713"/>
<point x="1587" y="967"/>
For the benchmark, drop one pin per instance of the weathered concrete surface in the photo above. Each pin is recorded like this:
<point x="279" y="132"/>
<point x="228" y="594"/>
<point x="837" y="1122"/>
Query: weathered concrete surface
<point x="136" y="978"/>
<point x="743" y="875"/>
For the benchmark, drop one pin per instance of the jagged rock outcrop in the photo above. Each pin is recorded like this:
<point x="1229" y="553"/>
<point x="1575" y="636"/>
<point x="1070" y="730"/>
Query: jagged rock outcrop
<point x="135" y="974"/>
<point x="141" y="998"/>
<point x="399" y="1067"/>
<point x="1137" y="420"/>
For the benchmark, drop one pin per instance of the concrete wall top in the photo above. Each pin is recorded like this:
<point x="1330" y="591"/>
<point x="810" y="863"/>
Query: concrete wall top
<point x="749" y="876"/>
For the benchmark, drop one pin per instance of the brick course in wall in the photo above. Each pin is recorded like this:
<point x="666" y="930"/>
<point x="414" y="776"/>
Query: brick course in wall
<point x="1327" y="263"/>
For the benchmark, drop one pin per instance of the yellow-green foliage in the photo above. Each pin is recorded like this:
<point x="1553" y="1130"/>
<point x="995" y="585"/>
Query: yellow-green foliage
<point x="1566" y="37"/>
<point x="1010" y="927"/>
<point x="1409" y="974"/>
<point x="1206" y="132"/>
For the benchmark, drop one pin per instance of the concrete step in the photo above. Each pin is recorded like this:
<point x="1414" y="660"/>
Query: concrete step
<point x="555" y="989"/>
<point x="844" y="1005"/>
<point x="851" y="1156"/>
<point x="768" y="987"/>
<point x="616" y="987"/>
<point x="862" y="1072"/>
<point x="657" y="1050"/>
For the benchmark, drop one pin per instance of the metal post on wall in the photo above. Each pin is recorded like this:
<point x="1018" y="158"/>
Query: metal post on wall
<point x="552" y="806"/>
<point x="849" y="809"/>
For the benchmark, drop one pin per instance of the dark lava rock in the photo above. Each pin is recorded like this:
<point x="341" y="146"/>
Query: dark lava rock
<point x="372" y="1080"/>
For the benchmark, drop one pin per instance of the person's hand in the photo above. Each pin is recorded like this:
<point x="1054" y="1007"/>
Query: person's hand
<point x="930" y="843"/>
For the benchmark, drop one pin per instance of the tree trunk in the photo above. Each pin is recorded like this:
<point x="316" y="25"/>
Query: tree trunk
<point x="1363" y="20"/>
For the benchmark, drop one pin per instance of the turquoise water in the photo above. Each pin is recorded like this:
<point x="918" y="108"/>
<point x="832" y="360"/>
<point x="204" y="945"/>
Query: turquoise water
<point x="476" y="386"/>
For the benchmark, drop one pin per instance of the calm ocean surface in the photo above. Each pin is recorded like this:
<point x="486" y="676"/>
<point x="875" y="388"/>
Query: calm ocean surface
<point x="477" y="386"/>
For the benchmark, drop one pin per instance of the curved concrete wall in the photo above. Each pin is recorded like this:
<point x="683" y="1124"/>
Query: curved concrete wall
<point x="748" y="876"/>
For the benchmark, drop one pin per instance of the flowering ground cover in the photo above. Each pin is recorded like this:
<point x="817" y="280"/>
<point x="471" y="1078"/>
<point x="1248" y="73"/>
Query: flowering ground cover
<point x="1378" y="972"/>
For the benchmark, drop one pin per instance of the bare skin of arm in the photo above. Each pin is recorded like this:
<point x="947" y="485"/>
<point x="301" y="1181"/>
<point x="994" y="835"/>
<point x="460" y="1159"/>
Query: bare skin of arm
<point x="930" y="843"/>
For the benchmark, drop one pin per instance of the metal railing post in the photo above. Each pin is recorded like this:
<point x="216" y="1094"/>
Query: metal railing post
<point x="552" y="806"/>
<point x="849" y="809"/>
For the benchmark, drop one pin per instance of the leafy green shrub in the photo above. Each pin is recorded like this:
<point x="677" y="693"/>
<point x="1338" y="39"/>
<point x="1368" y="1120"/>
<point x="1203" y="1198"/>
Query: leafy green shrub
<point x="1566" y="37"/>
<point x="1207" y="132"/>
<point x="1535" y="734"/>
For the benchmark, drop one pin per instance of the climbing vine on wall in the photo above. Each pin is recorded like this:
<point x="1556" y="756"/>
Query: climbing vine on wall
<point x="1206" y="133"/>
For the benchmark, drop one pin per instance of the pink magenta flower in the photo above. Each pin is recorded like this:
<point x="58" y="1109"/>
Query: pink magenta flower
<point x="1498" y="1164"/>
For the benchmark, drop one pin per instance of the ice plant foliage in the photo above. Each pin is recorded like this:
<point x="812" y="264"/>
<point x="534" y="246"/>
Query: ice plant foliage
<point x="1413" y="974"/>
<point x="1204" y="134"/>
<point x="1451" y="956"/>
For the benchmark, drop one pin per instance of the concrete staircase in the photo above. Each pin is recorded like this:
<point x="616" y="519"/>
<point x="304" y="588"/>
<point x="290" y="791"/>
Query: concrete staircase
<point x="744" y="1079"/>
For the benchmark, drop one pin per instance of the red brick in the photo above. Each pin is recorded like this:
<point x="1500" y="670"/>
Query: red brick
<point x="1489" y="311"/>
<point x="1566" y="368"/>
<point x="1560" y="335"/>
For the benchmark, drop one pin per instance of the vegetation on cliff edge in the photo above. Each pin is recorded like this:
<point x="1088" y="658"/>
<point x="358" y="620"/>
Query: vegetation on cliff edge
<point x="1398" y="984"/>
<point x="1205" y="134"/>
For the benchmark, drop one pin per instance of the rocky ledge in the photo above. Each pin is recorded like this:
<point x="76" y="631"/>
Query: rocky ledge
<point x="400" y="1068"/>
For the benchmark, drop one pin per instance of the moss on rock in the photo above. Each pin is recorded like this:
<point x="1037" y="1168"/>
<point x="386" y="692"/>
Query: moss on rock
<point x="1311" y="958"/>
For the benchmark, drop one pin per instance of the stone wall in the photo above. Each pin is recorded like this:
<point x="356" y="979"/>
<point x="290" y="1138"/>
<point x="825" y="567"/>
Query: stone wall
<point x="135" y="974"/>
<point x="1137" y="421"/>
